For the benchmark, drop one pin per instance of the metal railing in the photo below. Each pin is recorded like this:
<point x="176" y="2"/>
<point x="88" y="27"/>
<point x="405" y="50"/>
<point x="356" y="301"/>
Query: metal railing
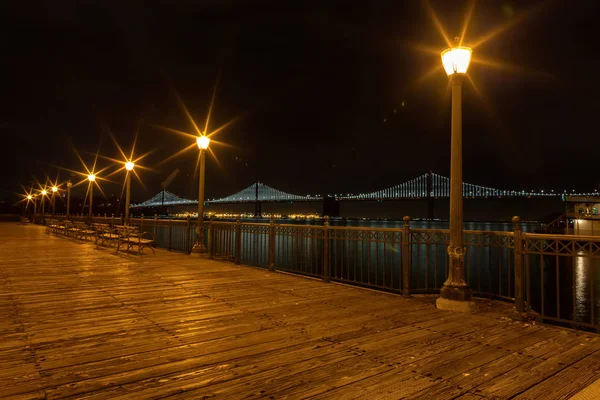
<point x="555" y="276"/>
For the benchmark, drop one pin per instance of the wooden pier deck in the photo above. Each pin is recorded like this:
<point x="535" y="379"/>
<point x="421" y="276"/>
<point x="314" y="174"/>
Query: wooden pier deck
<point x="85" y="323"/>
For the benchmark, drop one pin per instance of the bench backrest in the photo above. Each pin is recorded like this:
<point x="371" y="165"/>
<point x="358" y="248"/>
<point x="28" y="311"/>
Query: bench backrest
<point x="127" y="228"/>
<point x="80" y="225"/>
<point x="101" y="227"/>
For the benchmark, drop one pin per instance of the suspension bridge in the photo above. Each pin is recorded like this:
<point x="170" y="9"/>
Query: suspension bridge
<point x="429" y="186"/>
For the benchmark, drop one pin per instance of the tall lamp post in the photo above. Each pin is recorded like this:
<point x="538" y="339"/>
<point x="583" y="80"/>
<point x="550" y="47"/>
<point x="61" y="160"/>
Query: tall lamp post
<point x="29" y="200"/>
<point x="129" y="165"/>
<point x="44" y="193"/>
<point x="91" y="178"/>
<point x="455" y="294"/>
<point x="203" y="142"/>
<point x="54" y="190"/>
<point x="34" y="207"/>
<point x="69" y="184"/>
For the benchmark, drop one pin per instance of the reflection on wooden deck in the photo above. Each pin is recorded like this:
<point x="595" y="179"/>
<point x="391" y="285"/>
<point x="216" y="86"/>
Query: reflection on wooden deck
<point x="80" y="322"/>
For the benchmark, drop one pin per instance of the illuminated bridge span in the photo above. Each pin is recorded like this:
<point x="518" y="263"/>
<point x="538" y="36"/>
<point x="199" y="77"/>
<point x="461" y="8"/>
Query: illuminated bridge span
<point x="437" y="186"/>
<point x="264" y="194"/>
<point x="165" y="198"/>
<point x="255" y="193"/>
<point x="427" y="186"/>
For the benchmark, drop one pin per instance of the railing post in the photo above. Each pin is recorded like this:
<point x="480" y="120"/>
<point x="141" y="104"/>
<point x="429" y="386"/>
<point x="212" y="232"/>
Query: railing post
<point x="112" y="220"/>
<point x="271" y="261"/>
<point x="142" y="223"/>
<point x="238" y="241"/>
<point x="187" y="234"/>
<point x="518" y="238"/>
<point x="406" y="256"/>
<point x="155" y="222"/>
<point x="326" y="257"/>
<point x="210" y="239"/>
<point x="170" y="247"/>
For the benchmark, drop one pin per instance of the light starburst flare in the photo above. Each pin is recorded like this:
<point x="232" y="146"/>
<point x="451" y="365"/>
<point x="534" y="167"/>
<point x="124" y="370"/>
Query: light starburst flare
<point x="476" y="43"/>
<point x="201" y="138"/>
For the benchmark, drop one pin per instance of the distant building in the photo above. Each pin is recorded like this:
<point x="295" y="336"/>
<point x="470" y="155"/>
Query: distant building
<point x="583" y="215"/>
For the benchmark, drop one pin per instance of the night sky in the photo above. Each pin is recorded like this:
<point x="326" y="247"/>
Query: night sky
<point x="328" y="93"/>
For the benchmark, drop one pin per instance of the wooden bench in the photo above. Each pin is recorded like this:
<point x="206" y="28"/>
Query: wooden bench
<point x="50" y="224"/>
<point x="54" y="226"/>
<point x="68" y="228"/>
<point x="130" y="236"/>
<point x="82" y="231"/>
<point x="106" y="235"/>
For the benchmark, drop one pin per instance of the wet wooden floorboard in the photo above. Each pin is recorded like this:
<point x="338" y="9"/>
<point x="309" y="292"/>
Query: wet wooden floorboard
<point x="78" y="322"/>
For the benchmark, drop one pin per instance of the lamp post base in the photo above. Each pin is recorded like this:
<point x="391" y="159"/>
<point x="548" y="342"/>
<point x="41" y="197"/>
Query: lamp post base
<point x="455" y="298"/>
<point x="199" y="248"/>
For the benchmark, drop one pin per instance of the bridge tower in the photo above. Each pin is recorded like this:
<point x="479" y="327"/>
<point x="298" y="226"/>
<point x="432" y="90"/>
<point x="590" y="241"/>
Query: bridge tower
<point x="257" y="203"/>
<point x="430" y="197"/>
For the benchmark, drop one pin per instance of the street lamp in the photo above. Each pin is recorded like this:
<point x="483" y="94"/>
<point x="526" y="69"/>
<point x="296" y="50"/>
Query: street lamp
<point x="203" y="142"/>
<point x="54" y="190"/>
<point x="29" y="200"/>
<point x="91" y="178"/>
<point x="44" y="193"/>
<point x="34" y="205"/>
<point x="69" y="184"/>
<point x="129" y="167"/>
<point x="455" y="294"/>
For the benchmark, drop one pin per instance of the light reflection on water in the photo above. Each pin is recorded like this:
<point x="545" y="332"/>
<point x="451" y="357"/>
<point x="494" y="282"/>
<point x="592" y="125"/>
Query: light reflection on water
<point x="582" y="284"/>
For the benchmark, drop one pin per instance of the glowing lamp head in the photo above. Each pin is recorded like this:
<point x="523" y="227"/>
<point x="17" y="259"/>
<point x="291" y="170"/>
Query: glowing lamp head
<point x="91" y="177"/>
<point x="29" y="197"/>
<point x="44" y="192"/>
<point x="456" y="60"/>
<point x="54" y="189"/>
<point x="129" y="165"/>
<point x="69" y="184"/>
<point x="203" y="142"/>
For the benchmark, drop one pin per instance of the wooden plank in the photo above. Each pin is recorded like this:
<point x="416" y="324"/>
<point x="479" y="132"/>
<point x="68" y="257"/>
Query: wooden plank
<point x="404" y="378"/>
<point x="460" y="382"/>
<point x="568" y="381"/>
<point x="536" y="371"/>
